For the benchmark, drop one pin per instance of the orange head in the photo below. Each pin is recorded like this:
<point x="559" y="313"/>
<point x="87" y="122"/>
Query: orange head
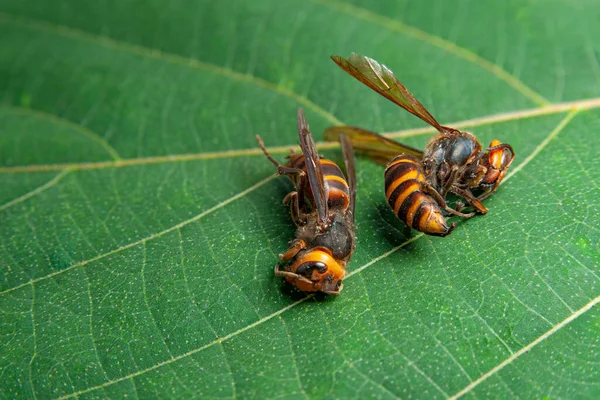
<point x="500" y="156"/>
<point x="316" y="270"/>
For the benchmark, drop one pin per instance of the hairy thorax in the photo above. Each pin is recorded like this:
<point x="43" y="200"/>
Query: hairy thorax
<point x="337" y="236"/>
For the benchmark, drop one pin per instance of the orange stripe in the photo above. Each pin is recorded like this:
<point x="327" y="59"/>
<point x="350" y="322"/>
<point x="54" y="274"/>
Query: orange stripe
<point x="425" y="217"/>
<point x="412" y="188"/>
<point x="336" y="178"/>
<point x="413" y="209"/>
<point x="401" y="160"/>
<point x="335" y="195"/>
<point x="414" y="174"/>
<point x="326" y="161"/>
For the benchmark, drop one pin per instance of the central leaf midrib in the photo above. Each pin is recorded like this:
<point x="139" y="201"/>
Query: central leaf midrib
<point x="584" y="104"/>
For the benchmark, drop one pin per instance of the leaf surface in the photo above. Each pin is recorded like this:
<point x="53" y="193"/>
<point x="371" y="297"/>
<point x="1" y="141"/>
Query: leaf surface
<point x="139" y="223"/>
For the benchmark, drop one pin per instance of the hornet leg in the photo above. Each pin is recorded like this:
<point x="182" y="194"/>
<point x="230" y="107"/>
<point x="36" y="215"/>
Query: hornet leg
<point x="296" y="246"/>
<point x="470" y="199"/>
<point x="440" y="200"/>
<point x="291" y="275"/>
<point x="298" y="215"/>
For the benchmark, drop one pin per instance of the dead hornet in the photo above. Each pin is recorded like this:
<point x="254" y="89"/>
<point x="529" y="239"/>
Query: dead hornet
<point x="322" y="207"/>
<point x="417" y="182"/>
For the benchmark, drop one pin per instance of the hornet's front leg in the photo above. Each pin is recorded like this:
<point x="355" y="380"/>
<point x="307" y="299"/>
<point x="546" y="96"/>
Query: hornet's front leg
<point x="298" y="215"/>
<point x="296" y="246"/>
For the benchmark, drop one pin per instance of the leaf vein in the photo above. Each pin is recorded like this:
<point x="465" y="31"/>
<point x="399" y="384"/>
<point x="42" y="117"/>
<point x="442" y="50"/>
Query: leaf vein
<point x="34" y="334"/>
<point x="144" y="240"/>
<point x="295" y="362"/>
<point x="434" y="337"/>
<point x="189" y="353"/>
<point x="410" y="362"/>
<point x="91" y="318"/>
<point x="55" y="119"/>
<point x="585" y="104"/>
<point x="441" y="43"/>
<point x="513" y="356"/>
<point x="503" y="283"/>
<point x="527" y="348"/>
<point x="544" y="143"/>
<point x="366" y="377"/>
<point x="156" y="54"/>
<point x="52" y="182"/>
<point x="474" y="310"/>
<point x="145" y="296"/>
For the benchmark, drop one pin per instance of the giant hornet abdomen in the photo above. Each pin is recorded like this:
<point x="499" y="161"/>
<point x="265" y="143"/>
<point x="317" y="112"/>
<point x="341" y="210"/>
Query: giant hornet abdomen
<point x="406" y="193"/>
<point x="338" y="191"/>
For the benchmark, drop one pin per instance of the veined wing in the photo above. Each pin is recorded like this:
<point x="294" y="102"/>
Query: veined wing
<point x="313" y="168"/>
<point x="377" y="147"/>
<point x="379" y="78"/>
<point x="348" y="153"/>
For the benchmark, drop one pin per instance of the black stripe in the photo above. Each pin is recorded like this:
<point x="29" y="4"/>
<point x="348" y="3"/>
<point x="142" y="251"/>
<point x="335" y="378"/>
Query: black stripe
<point x="407" y="159"/>
<point x="422" y="211"/>
<point x="329" y="169"/>
<point x="297" y="162"/>
<point x="416" y="196"/>
<point x="403" y="160"/>
<point x="399" y="190"/>
<point x="398" y="170"/>
<point x="337" y="185"/>
<point x="338" y="202"/>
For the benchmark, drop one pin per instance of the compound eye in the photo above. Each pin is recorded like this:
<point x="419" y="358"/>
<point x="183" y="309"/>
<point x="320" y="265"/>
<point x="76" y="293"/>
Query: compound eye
<point x="319" y="266"/>
<point x="307" y="268"/>
<point x="461" y="152"/>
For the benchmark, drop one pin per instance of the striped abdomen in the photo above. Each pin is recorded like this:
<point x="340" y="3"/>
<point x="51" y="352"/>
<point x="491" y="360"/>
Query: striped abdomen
<point x="339" y="192"/>
<point x="404" y="180"/>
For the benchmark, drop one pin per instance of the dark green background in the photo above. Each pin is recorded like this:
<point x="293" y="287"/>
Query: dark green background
<point x="125" y="271"/>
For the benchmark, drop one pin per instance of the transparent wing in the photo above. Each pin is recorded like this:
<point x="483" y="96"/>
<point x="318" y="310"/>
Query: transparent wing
<point x="377" y="147"/>
<point x="379" y="78"/>
<point x="313" y="167"/>
<point x="348" y="153"/>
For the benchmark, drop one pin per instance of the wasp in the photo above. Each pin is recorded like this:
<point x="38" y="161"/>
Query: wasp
<point x="322" y="208"/>
<point x="418" y="182"/>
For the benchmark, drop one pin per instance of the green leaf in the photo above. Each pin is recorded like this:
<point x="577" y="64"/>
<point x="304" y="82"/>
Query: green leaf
<point x="139" y="223"/>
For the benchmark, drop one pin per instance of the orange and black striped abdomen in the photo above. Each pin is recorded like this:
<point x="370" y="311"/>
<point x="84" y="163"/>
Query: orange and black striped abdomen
<point x="339" y="192"/>
<point x="404" y="180"/>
